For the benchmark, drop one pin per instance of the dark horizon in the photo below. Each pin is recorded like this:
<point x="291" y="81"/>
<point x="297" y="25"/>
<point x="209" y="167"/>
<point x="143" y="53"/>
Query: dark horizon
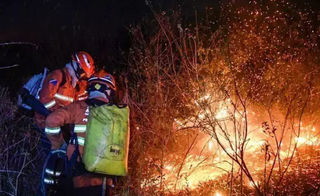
<point x="62" y="27"/>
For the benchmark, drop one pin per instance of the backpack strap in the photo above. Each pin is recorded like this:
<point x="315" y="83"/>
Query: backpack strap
<point x="95" y="102"/>
<point x="73" y="161"/>
<point x="44" y="75"/>
<point x="64" y="79"/>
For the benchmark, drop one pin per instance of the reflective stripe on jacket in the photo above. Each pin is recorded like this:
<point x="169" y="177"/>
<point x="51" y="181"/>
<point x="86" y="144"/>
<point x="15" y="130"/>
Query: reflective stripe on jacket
<point x="75" y="113"/>
<point x="54" y="95"/>
<point x="81" y="93"/>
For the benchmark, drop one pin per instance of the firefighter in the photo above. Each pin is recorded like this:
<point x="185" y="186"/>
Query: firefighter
<point x="101" y="89"/>
<point x="59" y="88"/>
<point x="64" y="86"/>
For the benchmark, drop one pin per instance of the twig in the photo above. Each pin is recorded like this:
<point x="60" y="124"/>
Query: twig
<point x="23" y="166"/>
<point x="184" y="158"/>
<point x="8" y="67"/>
<point x="19" y="43"/>
<point x="11" y="146"/>
<point x="9" y="171"/>
<point x="6" y="193"/>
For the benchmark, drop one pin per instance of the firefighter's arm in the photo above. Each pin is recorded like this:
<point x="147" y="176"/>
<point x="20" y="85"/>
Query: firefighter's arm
<point x="49" y="88"/>
<point x="55" y="121"/>
<point x="81" y="93"/>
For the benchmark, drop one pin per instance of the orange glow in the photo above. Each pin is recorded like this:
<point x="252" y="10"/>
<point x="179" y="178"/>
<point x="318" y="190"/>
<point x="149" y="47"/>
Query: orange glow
<point x="200" y="164"/>
<point x="300" y="140"/>
<point x="168" y="167"/>
<point x="210" y="145"/>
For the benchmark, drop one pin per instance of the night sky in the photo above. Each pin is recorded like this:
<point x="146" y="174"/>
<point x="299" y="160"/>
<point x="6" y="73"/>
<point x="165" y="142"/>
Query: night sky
<point x="60" y="27"/>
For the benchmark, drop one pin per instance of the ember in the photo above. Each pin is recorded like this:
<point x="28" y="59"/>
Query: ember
<point x="241" y="100"/>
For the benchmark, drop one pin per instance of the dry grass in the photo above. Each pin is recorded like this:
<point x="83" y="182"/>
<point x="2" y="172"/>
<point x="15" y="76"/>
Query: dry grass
<point x="20" y="152"/>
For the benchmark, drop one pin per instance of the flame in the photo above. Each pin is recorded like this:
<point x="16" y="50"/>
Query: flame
<point x="300" y="140"/>
<point x="210" y="145"/>
<point x="200" y="164"/>
<point x="222" y="114"/>
<point x="252" y="184"/>
<point x="168" y="167"/>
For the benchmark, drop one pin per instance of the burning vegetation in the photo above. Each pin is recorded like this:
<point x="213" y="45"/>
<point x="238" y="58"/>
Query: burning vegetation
<point x="225" y="106"/>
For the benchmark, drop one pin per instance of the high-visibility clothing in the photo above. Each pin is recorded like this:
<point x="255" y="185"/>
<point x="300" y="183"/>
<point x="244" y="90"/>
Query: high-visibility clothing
<point x="71" y="114"/>
<point x="81" y="93"/>
<point x="54" y="95"/>
<point x="77" y="114"/>
<point x="57" y="91"/>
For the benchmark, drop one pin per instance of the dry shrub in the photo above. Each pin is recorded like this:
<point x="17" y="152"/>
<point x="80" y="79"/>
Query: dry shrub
<point x="181" y="75"/>
<point x="20" y="155"/>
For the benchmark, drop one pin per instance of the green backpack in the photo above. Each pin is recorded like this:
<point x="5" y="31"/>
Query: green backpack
<point x="107" y="140"/>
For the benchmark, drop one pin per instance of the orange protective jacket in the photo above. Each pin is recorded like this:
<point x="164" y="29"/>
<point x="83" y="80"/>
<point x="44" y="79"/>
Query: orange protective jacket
<point x="77" y="114"/>
<point x="81" y="93"/>
<point x="57" y="91"/>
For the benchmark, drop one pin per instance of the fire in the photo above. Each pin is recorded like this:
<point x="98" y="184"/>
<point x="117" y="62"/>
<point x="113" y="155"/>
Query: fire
<point x="239" y="95"/>
<point x="218" y="194"/>
<point x="204" y="160"/>
<point x="301" y="140"/>
<point x="168" y="167"/>
<point x="312" y="140"/>
<point x="252" y="184"/>
<point x="210" y="145"/>
<point x="222" y="113"/>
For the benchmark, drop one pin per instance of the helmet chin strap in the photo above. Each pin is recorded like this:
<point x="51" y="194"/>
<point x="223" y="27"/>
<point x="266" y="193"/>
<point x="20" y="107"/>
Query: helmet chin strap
<point x="108" y="92"/>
